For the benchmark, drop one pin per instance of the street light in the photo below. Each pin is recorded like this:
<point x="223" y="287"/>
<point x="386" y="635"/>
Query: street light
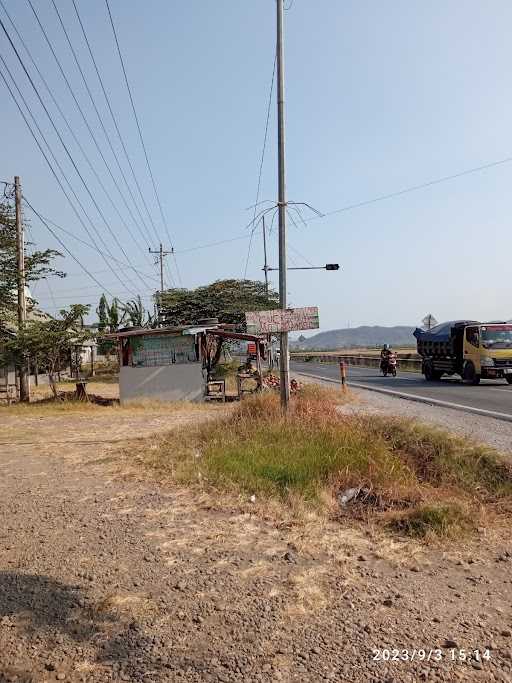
<point x="328" y="266"/>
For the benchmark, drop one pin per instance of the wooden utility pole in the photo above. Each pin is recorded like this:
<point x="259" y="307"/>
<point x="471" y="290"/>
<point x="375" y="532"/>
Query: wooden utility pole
<point x="22" y="303"/>
<point x="284" y="361"/>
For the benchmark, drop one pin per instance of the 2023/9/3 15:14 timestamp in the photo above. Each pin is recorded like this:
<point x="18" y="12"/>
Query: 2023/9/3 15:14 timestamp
<point x="429" y="655"/>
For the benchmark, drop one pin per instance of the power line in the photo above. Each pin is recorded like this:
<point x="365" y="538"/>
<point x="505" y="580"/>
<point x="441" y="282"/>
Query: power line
<point x="125" y="266"/>
<point x="91" y="196"/>
<point x="64" y="246"/>
<point x="68" y="125"/>
<point x="413" y="188"/>
<point x="213" y="244"/>
<point x="54" y="173"/>
<point x="261" y="165"/>
<point x="164" y="221"/>
<point x="108" y="104"/>
<point x="100" y="119"/>
<point x="91" y="133"/>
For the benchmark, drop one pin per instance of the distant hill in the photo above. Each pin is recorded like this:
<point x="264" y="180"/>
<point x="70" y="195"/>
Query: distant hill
<point x="366" y="336"/>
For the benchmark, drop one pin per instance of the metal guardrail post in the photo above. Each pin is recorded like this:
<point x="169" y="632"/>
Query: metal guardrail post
<point x="343" y="374"/>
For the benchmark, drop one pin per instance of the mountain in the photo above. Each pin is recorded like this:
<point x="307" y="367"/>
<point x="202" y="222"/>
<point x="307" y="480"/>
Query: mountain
<point x="365" y="336"/>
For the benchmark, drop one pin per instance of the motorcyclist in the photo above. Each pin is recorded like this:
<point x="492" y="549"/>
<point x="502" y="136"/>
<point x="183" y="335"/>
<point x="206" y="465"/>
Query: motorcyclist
<point x="385" y="353"/>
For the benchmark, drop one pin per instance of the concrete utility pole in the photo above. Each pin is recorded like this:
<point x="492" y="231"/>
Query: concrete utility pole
<point x="161" y="255"/>
<point x="284" y="361"/>
<point x="22" y="304"/>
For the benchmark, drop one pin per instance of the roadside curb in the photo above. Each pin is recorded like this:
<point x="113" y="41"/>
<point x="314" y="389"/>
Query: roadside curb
<point x="418" y="399"/>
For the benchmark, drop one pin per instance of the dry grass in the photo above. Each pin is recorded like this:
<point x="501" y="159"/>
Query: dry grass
<point x="417" y="480"/>
<point x="48" y="406"/>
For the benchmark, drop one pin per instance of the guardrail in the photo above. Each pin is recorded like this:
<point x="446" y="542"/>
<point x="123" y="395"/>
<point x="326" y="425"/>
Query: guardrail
<point x="404" y="363"/>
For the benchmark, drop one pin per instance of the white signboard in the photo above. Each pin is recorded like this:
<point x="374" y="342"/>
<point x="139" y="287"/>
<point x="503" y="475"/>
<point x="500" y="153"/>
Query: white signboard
<point x="289" y="320"/>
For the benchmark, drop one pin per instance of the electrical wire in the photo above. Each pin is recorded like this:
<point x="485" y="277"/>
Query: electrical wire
<point x="125" y="266"/>
<point x="91" y="196"/>
<point x="413" y="188"/>
<point x="107" y="101"/>
<point x="100" y="119"/>
<point x="261" y="165"/>
<point x="61" y="243"/>
<point x="45" y="156"/>
<point x="164" y="221"/>
<point x="68" y="125"/>
<point x="91" y="133"/>
<point x="213" y="244"/>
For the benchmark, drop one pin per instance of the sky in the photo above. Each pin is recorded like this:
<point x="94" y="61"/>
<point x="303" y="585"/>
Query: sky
<point x="380" y="97"/>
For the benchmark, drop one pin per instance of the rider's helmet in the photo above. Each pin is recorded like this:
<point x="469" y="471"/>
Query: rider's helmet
<point x="386" y="347"/>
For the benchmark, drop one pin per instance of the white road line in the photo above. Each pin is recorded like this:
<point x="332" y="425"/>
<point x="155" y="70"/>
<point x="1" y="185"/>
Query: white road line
<point x="419" y="399"/>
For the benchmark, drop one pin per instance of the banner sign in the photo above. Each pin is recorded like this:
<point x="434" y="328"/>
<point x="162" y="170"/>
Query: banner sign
<point x="279" y="320"/>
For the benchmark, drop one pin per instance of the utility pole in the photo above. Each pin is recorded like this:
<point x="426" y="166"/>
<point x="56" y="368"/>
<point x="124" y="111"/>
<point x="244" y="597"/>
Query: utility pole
<point x="22" y="304"/>
<point x="270" y="350"/>
<point x="161" y="255"/>
<point x="265" y="267"/>
<point x="284" y="362"/>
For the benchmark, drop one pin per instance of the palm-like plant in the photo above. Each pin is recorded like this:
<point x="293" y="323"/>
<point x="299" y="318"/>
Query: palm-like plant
<point x="134" y="313"/>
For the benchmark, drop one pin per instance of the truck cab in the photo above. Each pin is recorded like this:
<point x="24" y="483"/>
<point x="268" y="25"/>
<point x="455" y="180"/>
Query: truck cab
<point x="487" y="352"/>
<point x="469" y="348"/>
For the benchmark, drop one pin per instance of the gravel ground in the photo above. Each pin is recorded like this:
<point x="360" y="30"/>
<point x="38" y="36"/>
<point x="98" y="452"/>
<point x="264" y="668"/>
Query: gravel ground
<point x="106" y="575"/>
<point x="496" y="433"/>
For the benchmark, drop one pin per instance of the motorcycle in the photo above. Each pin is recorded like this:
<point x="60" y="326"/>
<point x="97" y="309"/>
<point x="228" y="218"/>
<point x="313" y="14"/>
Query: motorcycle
<point x="388" y="365"/>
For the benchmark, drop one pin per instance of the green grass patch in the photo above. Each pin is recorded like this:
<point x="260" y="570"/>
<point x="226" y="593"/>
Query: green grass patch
<point x="438" y="520"/>
<point x="427" y="482"/>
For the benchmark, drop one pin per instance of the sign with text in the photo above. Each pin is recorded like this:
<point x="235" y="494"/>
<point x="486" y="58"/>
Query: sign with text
<point x="279" y="320"/>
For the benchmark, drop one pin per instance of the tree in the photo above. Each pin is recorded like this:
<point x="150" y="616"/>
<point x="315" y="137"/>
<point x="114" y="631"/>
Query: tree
<point x="227" y="300"/>
<point x="102" y="314"/>
<point x="429" y="321"/>
<point x="37" y="265"/>
<point x="135" y="314"/>
<point x="108" y="321"/>
<point x="48" y="341"/>
<point x="113" y="315"/>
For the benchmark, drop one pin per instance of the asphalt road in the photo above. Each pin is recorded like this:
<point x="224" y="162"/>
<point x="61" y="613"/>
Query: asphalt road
<point x="490" y="395"/>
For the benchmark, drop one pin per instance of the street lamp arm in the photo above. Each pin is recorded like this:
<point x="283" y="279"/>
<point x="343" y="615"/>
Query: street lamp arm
<point x="328" y="266"/>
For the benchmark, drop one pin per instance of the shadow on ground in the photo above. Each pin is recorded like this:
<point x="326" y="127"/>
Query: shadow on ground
<point x="49" y="626"/>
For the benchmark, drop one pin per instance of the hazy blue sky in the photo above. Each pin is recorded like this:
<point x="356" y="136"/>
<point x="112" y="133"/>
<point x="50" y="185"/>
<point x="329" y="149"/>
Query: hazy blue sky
<point x="380" y="96"/>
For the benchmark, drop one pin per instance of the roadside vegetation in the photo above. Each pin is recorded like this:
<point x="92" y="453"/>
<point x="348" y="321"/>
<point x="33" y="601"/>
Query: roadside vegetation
<point x="411" y="479"/>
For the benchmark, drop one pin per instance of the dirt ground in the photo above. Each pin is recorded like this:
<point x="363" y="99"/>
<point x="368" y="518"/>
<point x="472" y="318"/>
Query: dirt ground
<point x="106" y="575"/>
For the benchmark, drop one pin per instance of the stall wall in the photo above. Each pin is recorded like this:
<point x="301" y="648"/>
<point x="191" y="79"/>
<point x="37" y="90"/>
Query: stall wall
<point x="179" y="382"/>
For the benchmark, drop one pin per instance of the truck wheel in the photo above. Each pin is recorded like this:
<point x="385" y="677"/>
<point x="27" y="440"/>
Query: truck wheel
<point x="509" y="379"/>
<point x="470" y="376"/>
<point x="431" y="375"/>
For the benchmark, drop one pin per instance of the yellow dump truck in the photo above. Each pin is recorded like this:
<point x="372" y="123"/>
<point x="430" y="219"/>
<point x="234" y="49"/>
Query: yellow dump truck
<point x="467" y="348"/>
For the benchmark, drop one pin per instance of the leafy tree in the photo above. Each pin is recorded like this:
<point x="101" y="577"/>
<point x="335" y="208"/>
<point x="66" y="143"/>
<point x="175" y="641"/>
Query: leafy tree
<point x="48" y="341"/>
<point x="227" y="300"/>
<point x="37" y="264"/>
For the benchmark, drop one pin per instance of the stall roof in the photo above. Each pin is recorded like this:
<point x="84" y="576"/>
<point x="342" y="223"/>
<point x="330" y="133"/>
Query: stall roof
<point x="183" y="329"/>
<point x="236" y="335"/>
<point x="144" y="332"/>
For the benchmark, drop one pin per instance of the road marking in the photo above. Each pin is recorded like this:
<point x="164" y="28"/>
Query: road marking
<point x="399" y="375"/>
<point x="419" y="399"/>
